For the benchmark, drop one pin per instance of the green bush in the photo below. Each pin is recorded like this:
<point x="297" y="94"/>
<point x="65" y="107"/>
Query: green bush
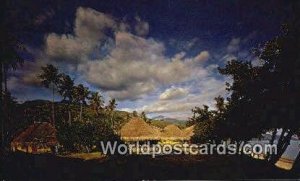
<point x="85" y="136"/>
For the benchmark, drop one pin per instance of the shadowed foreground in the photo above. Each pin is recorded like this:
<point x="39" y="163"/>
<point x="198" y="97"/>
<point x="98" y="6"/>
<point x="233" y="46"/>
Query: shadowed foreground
<point x="40" y="167"/>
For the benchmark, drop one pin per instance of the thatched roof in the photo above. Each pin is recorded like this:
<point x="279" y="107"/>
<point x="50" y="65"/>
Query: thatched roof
<point x="172" y="132"/>
<point x="137" y="130"/>
<point x="189" y="132"/>
<point x="37" y="133"/>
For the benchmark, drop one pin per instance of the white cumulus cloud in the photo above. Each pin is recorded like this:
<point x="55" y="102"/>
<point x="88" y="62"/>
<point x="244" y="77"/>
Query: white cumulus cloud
<point x="89" y="29"/>
<point x="173" y="93"/>
<point x="202" y="56"/>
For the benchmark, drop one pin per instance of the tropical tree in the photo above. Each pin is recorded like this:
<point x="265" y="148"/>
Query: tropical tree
<point x="111" y="108"/>
<point x="81" y="94"/>
<point x="65" y="89"/>
<point x="85" y="136"/>
<point x="11" y="124"/>
<point x="244" y="105"/>
<point x="144" y="117"/>
<point x="10" y="59"/>
<point x="50" y="78"/>
<point x="220" y="104"/>
<point x="11" y="46"/>
<point x="281" y="84"/>
<point x="135" y="114"/>
<point x="266" y="97"/>
<point x="96" y="102"/>
<point x="203" y="121"/>
<point x="127" y="116"/>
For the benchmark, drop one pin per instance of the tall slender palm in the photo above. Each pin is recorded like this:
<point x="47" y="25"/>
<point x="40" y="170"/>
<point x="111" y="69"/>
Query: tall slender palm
<point x="9" y="59"/>
<point x="81" y="93"/>
<point x="10" y="48"/>
<point x="65" y="89"/>
<point x="50" y="79"/>
<point x="96" y="102"/>
<point x="111" y="107"/>
<point x="144" y="117"/>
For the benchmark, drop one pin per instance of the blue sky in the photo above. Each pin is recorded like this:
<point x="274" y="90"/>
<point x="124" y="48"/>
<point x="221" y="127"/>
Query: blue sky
<point x="160" y="57"/>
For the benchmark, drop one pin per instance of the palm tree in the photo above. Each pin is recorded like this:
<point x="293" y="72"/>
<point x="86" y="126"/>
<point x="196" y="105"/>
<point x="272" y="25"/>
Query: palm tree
<point x="10" y="47"/>
<point x="65" y="89"/>
<point x="134" y="113"/>
<point x="96" y="102"/>
<point x="9" y="59"/>
<point x="144" y="117"/>
<point x="81" y="93"/>
<point x="111" y="107"/>
<point x="50" y="79"/>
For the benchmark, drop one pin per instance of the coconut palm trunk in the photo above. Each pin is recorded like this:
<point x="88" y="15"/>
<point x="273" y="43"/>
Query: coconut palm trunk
<point x="112" y="119"/>
<point x="50" y="79"/>
<point x="70" y="116"/>
<point x="80" y="114"/>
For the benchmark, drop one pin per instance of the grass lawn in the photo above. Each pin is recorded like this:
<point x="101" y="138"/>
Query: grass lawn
<point x="85" y="156"/>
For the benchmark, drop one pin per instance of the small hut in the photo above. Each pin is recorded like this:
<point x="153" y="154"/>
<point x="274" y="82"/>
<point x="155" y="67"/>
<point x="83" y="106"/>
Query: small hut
<point x="172" y="132"/>
<point x="138" y="130"/>
<point x="37" y="138"/>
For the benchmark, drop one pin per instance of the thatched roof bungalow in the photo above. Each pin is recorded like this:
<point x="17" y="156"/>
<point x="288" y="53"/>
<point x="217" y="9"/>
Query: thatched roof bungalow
<point x="138" y="130"/>
<point x="37" y="138"/>
<point x="172" y="132"/>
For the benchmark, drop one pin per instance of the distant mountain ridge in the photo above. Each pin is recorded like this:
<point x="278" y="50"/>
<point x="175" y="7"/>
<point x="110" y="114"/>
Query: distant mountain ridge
<point x="162" y="121"/>
<point x="164" y="118"/>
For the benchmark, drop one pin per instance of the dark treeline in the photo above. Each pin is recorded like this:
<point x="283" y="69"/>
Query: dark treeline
<point x="263" y="98"/>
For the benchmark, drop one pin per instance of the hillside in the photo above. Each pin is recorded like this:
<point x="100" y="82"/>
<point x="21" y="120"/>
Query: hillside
<point x="162" y="121"/>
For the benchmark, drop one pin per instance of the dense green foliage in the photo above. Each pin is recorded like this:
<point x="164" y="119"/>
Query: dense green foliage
<point x="263" y="98"/>
<point x="81" y="136"/>
<point x="10" y="59"/>
<point x="93" y="127"/>
<point x="209" y="124"/>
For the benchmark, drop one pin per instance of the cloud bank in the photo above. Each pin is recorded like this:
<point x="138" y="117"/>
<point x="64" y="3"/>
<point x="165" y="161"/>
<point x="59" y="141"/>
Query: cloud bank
<point x="134" y="66"/>
<point x="121" y="60"/>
